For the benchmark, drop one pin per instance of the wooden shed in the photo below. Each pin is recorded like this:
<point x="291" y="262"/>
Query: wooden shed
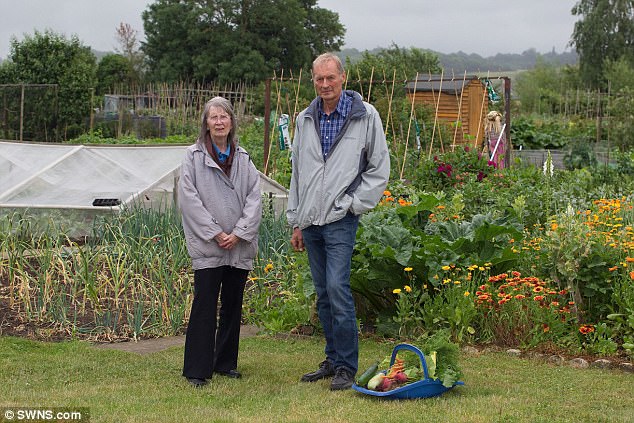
<point x="459" y="103"/>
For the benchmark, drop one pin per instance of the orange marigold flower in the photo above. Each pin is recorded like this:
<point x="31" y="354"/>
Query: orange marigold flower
<point x="586" y="329"/>
<point x="629" y="259"/>
<point x="632" y="275"/>
<point x="612" y="269"/>
<point x="387" y="193"/>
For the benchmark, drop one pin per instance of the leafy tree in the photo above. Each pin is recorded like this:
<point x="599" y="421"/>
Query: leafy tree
<point x="407" y="62"/>
<point x="113" y="69"/>
<point x="234" y="40"/>
<point x="170" y="50"/>
<point x="621" y="76"/>
<point x="50" y="58"/>
<point x="130" y="49"/>
<point x="605" y="32"/>
<point x="543" y="88"/>
<point x="323" y="30"/>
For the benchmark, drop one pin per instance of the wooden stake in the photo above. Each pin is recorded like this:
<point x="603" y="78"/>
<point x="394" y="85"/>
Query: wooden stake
<point x="299" y="85"/>
<point x="409" y="127"/>
<point x="433" y="132"/>
<point x="484" y="94"/>
<point x="389" y="108"/>
<point x="359" y="81"/>
<point x="370" y="87"/>
<point x="459" y="117"/>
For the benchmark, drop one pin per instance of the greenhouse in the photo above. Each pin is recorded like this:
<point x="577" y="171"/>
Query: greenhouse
<point x="72" y="185"/>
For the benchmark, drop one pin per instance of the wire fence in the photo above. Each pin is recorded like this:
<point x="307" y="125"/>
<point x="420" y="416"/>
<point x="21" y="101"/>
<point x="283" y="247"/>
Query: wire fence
<point x="31" y="112"/>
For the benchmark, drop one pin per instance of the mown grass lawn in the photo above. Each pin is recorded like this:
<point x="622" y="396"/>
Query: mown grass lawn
<point x="118" y="386"/>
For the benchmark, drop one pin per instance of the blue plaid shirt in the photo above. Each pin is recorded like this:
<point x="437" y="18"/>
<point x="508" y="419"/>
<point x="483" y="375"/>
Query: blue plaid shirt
<point x="330" y="125"/>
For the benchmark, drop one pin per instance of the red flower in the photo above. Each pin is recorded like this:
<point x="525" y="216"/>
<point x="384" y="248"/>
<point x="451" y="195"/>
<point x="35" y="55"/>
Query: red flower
<point x="586" y="329"/>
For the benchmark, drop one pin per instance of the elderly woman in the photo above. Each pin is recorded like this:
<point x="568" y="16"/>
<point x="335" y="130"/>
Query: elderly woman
<point x="219" y="198"/>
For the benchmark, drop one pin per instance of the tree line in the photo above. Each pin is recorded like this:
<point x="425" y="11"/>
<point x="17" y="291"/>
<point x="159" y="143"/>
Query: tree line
<point x="227" y="41"/>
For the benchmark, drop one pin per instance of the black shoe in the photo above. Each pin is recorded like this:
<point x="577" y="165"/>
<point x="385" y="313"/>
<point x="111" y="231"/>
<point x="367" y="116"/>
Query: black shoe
<point x="326" y="369"/>
<point x="196" y="382"/>
<point x="343" y="379"/>
<point x="229" y="373"/>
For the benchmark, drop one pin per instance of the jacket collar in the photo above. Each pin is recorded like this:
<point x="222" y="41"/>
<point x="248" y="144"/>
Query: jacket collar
<point x="357" y="111"/>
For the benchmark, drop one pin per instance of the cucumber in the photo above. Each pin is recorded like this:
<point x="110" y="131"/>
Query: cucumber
<point x="368" y="374"/>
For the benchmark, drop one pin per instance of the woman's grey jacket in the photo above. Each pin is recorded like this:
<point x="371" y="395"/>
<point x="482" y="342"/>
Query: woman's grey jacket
<point x="212" y="202"/>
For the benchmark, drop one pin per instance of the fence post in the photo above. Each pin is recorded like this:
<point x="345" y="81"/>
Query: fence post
<point x="21" y="110"/>
<point x="92" y="116"/>
<point x="507" y="120"/>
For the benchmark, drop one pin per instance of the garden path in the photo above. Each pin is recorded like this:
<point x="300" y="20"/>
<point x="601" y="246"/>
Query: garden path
<point x="149" y="346"/>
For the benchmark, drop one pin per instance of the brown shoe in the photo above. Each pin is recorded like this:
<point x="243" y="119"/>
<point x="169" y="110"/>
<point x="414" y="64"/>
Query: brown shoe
<point x="326" y="369"/>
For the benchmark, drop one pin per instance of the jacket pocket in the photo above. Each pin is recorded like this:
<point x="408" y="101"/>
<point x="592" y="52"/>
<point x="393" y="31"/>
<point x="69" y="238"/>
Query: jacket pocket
<point x="198" y="248"/>
<point x="342" y="204"/>
<point x="248" y="250"/>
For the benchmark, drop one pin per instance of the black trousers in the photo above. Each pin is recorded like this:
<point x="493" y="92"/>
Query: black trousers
<point x="212" y="344"/>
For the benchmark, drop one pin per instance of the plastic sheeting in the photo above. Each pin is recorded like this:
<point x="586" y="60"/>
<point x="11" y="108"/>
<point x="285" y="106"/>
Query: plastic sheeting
<point x="69" y="178"/>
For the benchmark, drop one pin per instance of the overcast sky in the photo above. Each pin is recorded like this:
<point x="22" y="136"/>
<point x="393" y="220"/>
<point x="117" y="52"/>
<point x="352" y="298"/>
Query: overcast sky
<point x="483" y="27"/>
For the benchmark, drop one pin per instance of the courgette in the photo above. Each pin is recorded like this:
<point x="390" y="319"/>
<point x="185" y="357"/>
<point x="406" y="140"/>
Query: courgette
<point x="368" y="374"/>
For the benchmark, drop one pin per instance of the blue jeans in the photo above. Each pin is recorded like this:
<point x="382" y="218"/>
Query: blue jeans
<point x="329" y="250"/>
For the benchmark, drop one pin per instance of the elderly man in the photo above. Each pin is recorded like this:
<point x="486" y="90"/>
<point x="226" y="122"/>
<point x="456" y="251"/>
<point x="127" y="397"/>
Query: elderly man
<point x="340" y="168"/>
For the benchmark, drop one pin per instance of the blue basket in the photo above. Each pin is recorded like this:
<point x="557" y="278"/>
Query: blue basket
<point x="424" y="388"/>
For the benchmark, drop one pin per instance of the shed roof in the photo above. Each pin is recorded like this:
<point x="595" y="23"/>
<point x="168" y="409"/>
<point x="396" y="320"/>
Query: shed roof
<point x="437" y="83"/>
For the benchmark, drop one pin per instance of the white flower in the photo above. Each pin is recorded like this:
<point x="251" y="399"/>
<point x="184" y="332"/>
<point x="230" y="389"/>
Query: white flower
<point x="549" y="168"/>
